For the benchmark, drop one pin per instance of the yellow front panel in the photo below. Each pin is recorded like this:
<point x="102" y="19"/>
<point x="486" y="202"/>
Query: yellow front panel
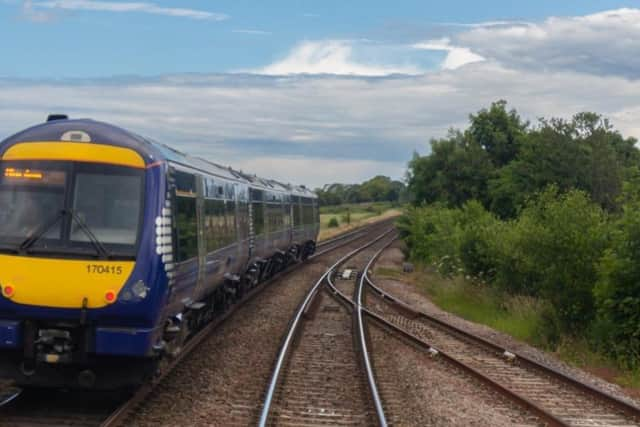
<point x="75" y="152"/>
<point x="62" y="283"/>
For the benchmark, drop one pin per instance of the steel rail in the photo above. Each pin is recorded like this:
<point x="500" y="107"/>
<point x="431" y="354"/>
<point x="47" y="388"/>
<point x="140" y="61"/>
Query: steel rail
<point x="120" y="414"/>
<point x="364" y="352"/>
<point x="295" y="327"/>
<point x="9" y="395"/>
<point x="614" y="401"/>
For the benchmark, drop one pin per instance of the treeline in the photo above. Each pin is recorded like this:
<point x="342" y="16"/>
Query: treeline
<point x="550" y="210"/>
<point x="377" y="189"/>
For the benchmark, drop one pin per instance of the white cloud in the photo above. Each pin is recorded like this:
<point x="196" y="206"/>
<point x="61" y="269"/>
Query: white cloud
<point x="605" y="43"/>
<point x="456" y="56"/>
<point x="330" y="57"/>
<point x="317" y="129"/>
<point x="109" y="6"/>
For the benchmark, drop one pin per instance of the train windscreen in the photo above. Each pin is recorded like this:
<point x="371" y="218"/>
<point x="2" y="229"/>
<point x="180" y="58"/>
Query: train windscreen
<point x="73" y="208"/>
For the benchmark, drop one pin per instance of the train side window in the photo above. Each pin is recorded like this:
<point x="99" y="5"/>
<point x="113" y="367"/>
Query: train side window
<point x="231" y="221"/>
<point x="308" y="215"/>
<point x="243" y="219"/>
<point x="258" y="218"/>
<point x="297" y="219"/>
<point x="187" y="228"/>
<point x="286" y="213"/>
<point x="185" y="183"/>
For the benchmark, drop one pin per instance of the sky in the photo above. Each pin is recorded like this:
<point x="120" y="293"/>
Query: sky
<point x="314" y="92"/>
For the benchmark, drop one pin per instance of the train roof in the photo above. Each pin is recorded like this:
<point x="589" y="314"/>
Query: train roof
<point x="151" y="151"/>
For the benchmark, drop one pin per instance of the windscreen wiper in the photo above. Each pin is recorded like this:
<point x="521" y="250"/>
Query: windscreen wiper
<point x="41" y="231"/>
<point x="102" y="251"/>
<point x="37" y="235"/>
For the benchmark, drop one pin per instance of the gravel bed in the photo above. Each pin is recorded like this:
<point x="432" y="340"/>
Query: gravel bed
<point x="393" y="258"/>
<point x="420" y="391"/>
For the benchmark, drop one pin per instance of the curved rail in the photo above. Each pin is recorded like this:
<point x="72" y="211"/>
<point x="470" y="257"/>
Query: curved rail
<point x="373" y="388"/>
<point x="294" y="328"/>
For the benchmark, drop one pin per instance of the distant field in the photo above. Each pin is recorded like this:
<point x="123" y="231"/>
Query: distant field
<point x="353" y="215"/>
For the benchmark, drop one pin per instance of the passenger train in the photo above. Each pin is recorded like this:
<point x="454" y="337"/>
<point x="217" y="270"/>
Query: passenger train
<point x="115" y="249"/>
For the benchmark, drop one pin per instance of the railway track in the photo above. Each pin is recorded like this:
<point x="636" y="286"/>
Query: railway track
<point x="318" y="377"/>
<point x="557" y="399"/>
<point x="59" y="407"/>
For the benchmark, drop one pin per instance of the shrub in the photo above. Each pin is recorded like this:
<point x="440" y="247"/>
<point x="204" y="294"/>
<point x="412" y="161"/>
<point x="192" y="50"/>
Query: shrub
<point x="478" y="230"/>
<point x="552" y="251"/>
<point x="333" y="222"/>
<point x="617" y="292"/>
<point x="432" y="234"/>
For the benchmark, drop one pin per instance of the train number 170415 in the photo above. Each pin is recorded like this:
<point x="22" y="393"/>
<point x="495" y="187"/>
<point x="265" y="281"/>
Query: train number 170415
<point x="104" y="269"/>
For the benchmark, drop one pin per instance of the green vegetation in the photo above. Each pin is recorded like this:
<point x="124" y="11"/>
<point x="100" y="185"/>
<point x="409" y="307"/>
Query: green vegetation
<point x="352" y="215"/>
<point x="544" y="221"/>
<point x="516" y="315"/>
<point x="377" y="189"/>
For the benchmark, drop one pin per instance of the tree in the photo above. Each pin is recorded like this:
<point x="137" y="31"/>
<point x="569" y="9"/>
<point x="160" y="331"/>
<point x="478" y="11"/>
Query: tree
<point x="457" y="170"/>
<point x="377" y="189"/>
<point x="498" y="131"/>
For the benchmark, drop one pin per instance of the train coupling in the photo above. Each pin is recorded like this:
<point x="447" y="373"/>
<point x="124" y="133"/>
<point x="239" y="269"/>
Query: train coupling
<point x="54" y="346"/>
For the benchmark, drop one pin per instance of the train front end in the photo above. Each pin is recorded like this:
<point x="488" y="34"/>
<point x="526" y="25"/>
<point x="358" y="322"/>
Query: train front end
<point x="81" y="281"/>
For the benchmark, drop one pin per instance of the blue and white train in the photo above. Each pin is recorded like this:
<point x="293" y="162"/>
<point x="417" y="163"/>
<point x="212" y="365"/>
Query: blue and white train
<point x="115" y="249"/>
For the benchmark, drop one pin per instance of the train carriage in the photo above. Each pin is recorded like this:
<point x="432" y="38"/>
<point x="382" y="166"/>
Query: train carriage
<point x="115" y="249"/>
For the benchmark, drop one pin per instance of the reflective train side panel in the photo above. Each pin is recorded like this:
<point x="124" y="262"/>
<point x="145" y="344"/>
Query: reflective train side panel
<point x="115" y="249"/>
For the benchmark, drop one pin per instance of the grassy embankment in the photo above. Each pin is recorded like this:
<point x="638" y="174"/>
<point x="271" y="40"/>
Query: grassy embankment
<point x="349" y="216"/>
<point x="520" y="317"/>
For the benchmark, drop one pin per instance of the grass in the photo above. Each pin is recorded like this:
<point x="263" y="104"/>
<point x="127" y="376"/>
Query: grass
<point x="520" y="317"/>
<point x="516" y="316"/>
<point x="360" y="214"/>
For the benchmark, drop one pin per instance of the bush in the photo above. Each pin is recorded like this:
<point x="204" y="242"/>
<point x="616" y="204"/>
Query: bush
<point x="617" y="293"/>
<point x="479" y="228"/>
<point x="432" y="234"/>
<point x="552" y="251"/>
<point x="333" y="222"/>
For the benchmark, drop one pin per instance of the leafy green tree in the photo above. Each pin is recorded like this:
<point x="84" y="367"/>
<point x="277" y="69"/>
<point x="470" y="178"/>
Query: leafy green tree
<point x="584" y="153"/>
<point x="498" y="131"/>
<point x="457" y="170"/>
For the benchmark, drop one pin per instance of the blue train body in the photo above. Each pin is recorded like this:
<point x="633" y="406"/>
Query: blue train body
<point x="98" y="300"/>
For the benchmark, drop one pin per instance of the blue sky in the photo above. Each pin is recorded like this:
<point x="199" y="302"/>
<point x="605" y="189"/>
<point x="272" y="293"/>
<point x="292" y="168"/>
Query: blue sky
<point x="281" y="87"/>
<point x="68" y="39"/>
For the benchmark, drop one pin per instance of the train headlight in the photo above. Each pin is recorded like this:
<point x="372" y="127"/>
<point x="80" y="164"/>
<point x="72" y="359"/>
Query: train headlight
<point x="139" y="289"/>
